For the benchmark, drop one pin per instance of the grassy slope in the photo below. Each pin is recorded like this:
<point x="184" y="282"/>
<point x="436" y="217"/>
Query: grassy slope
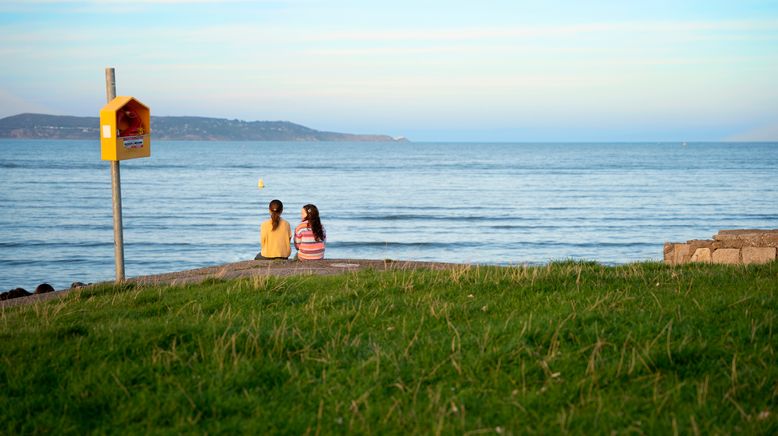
<point x="569" y="347"/>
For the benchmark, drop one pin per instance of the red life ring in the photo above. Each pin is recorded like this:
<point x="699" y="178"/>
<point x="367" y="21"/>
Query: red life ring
<point x="129" y="123"/>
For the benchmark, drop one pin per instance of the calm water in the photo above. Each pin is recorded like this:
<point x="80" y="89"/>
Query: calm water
<point x="194" y="204"/>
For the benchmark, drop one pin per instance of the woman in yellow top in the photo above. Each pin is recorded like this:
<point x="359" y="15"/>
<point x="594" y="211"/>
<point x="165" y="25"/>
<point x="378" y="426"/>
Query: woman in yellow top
<point x="275" y="234"/>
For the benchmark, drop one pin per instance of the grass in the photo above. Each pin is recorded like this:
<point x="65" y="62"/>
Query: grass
<point x="569" y="347"/>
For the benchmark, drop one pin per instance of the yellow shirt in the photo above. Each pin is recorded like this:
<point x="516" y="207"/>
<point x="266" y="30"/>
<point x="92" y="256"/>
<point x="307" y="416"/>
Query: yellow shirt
<point x="275" y="243"/>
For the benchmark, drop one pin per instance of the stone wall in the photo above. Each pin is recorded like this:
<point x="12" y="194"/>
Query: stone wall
<point x="728" y="246"/>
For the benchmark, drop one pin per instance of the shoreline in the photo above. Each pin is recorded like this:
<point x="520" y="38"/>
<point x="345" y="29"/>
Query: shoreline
<point x="248" y="268"/>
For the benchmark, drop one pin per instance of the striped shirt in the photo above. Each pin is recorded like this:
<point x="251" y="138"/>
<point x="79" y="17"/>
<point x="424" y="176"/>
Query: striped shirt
<point x="308" y="248"/>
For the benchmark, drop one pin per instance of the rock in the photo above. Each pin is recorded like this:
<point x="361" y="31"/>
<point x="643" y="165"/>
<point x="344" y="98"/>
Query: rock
<point x="747" y="238"/>
<point x="701" y="255"/>
<point x="758" y="254"/>
<point x="730" y="256"/>
<point x="680" y="254"/>
<point x="696" y="244"/>
<point x="14" y="293"/>
<point x="668" y="253"/>
<point x="44" y="288"/>
<point x="728" y="247"/>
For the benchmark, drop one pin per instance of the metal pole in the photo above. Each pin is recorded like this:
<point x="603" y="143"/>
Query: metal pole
<point x="116" y="190"/>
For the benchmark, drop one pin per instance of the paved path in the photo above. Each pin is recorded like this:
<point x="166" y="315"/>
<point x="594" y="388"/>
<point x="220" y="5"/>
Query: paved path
<point x="251" y="268"/>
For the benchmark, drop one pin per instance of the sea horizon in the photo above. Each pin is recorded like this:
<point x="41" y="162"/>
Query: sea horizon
<point x="436" y="141"/>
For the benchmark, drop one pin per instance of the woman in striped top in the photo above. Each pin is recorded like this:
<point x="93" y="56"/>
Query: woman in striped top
<point x="309" y="235"/>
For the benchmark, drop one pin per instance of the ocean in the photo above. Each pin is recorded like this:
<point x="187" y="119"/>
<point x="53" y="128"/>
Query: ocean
<point x="195" y="204"/>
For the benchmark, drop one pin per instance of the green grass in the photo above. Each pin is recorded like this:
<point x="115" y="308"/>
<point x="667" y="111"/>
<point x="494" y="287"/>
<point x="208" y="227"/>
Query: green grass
<point x="569" y="347"/>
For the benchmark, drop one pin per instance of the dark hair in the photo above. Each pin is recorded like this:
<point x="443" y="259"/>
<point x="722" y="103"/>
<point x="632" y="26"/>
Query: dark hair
<point x="314" y="223"/>
<point x="276" y="208"/>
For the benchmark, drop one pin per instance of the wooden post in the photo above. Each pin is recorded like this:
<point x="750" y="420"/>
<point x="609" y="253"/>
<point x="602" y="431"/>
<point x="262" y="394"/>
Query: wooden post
<point x="116" y="190"/>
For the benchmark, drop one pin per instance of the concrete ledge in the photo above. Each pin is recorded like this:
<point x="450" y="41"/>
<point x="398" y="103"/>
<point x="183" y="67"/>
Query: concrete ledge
<point x="253" y="268"/>
<point x="747" y="246"/>
<point x="758" y="254"/>
<point x="747" y="238"/>
<point x="701" y="255"/>
<point x="730" y="256"/>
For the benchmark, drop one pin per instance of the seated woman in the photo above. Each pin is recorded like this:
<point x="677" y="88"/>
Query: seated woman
<point x="309" y="235"/>
<point x="275" y="234"/>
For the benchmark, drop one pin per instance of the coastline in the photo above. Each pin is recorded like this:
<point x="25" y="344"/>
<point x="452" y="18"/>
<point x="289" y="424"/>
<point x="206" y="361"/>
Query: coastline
<point x="487" y="204"/>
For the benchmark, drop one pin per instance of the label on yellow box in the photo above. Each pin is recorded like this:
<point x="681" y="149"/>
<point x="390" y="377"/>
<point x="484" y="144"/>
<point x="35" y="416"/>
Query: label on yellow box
<point x="133" y="141"/>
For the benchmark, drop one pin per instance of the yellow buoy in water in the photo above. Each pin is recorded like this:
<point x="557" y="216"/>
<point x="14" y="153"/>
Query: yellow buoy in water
<point x="260" y="184"/>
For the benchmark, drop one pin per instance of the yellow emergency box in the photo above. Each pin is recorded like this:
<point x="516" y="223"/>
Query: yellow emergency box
<point x="125" y="127"/>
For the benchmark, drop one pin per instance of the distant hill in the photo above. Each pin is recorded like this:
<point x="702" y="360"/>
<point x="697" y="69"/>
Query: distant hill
<point x="40" y="126"/>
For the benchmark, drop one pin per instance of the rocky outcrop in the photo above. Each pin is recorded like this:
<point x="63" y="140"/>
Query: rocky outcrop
<point x="42" y="126"/>
<point x="14" y="293"/>
<point x="732" y="247"/>
<point x="44" y="288"/>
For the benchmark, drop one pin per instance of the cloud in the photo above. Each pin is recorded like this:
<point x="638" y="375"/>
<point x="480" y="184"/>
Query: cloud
<point x="423" y="40"/>
<point x="102" y="2"/>
<point x="120" y="6"/>
<point x="470" y="34"/>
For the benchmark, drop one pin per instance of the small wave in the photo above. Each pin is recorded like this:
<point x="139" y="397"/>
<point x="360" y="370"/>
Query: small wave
<point x="377" y="244"/>
<point x="422" y="217"/>
<point x="40" y="260"/>
<point x="47" y="165"/>
<point x="525" y="227"/>
<point x="151" y="245"/>
<point x="85" y="226"/>
<point x="594" y="244"/>
<point x="473" y="244"/>
<point x="319" y="167"/>
<point x="155" y="167"/>
<point x="36" y="244"/>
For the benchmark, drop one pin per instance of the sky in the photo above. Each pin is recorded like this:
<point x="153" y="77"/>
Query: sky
<point x="429" y="70"/>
